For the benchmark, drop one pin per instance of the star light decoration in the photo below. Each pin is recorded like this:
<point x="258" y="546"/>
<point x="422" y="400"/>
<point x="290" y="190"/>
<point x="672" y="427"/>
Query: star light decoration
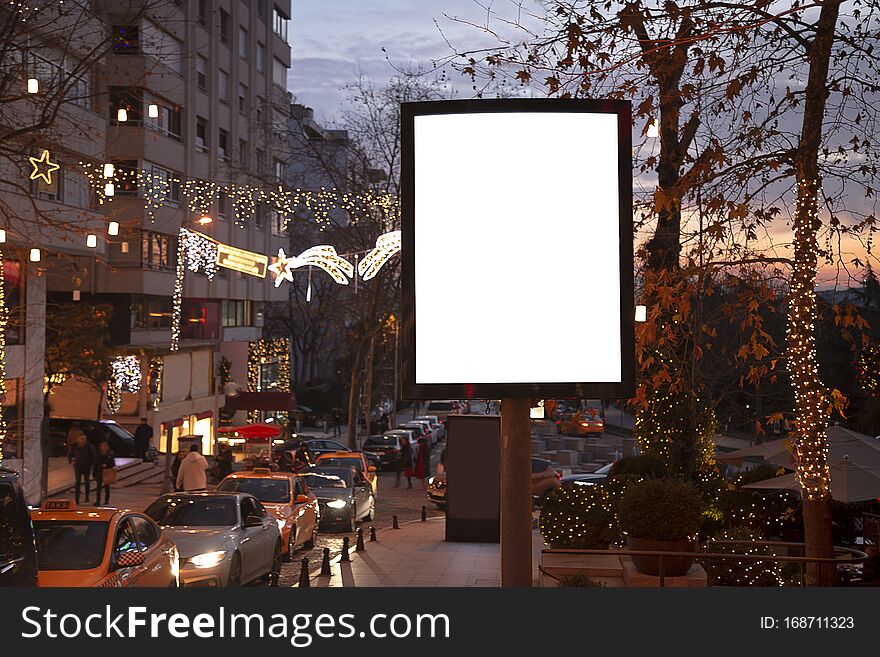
<point x="323" y="257"/>
<point x="43" y="167"/>
<point x="386" y="246"/>
<point x="125" y="376"/>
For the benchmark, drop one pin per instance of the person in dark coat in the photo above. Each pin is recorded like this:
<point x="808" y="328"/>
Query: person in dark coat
<point x="142" y="437"/>
<point x="82" y="456"/>
<point x="224" y="461"/>
<point x="103" y="461"/>
<point x="336" y="415"/>
<point x="405" y="465"/>
<point x="423" y="462"/>
<point x="175" y="468"/>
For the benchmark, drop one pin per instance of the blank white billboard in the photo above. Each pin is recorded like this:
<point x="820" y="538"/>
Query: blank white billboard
<point x="516" y="233"/>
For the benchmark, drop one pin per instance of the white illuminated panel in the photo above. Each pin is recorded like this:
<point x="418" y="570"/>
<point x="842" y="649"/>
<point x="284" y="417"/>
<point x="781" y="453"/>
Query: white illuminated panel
<point x="516" y="236"/>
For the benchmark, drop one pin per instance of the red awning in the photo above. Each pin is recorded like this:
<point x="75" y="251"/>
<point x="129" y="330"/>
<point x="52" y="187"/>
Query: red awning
<point x="261" y="401"/>
<point x="258" y="431"/>
<point x="205" y="415"/>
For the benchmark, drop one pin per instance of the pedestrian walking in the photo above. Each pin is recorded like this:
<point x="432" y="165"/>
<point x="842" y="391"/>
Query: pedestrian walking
<point x="423" y="462"/>
<point x="337" y="422"/>
<point x="73" y="435"/>
<point x="224" y="461"/>
<point x="82" y="456"/>
<point x="193" y="474"/>
<point x="175" y="467"/>
<point x="104" y="472"/>
<point x="142" y="437"/>
<point x="405" y="465"/>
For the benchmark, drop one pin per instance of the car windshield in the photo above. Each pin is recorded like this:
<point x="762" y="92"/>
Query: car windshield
<point x="327" y="479"/>
<point x="381" y="441"/>
<point x="539" y="465"/>
<point x="70" y="545"/>
<point x="179" y="511"/>
<point x="343" y="461"/>
<point x="605" y="469"/>
<point x="264" y="489"/>
<point x="121" y="433"/>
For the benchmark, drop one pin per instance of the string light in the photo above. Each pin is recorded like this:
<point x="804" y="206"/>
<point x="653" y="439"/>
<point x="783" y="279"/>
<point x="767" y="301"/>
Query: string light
<point x="177" y="297"/>
<point x="201" y="252"/>
<point x="91" y="240"/>
<point x="2" y="236"/>
<point x="157" y="371"/>
<point x="113" y="228"/>
<point x="34" y="255"/>
<point x="33" y="86"/>
<point x="122" y="115"/>
<point x="386" y="246"/>
<point x="125" y="376"/>
<point x="109" y="170"/>
<point x="43" y="167"/>
<point x="4" y="320"/>
<point x="153" y="111"/>
<point x="262" y="352"/>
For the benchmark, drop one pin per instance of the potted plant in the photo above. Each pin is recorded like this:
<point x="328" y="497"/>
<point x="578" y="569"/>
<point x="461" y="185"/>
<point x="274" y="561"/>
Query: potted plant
<point x="578" y="517"/>
<point x="660" y="515"/>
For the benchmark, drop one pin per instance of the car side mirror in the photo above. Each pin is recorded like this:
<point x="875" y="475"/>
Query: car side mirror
<point x="302" y="499"/>
<point x="371" y="468"/>
<point x="253" y="521"/>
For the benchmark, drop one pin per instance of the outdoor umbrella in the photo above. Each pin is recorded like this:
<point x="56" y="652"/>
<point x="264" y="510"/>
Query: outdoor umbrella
<point x="253" y="431"/>
<point x="776" y="452"/>
<point x="849" y="482"/>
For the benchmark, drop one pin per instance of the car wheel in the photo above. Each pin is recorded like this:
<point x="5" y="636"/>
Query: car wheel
<point x="309" y="544"/>
<point x="233" y="580"/>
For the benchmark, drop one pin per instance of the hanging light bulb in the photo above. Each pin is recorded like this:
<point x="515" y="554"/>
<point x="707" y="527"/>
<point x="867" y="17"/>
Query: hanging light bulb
<point x="2" y="236"/>
<point x="91" y="240"/>
<point x="122" y="115"/>
<point x="153" y="111"/>
<point x="76" y="295"/>
<point x="109" y="170"/>
<point x="653" y="128"/>
<point x="123" y="246"/>
<point x="113" y="228"/>
<point x="204" y="220"/>
<point x="109" y="189"/>
<point x="33" y="86"/>
<point x="641" y="313"/>
<point x="35" y="255"/>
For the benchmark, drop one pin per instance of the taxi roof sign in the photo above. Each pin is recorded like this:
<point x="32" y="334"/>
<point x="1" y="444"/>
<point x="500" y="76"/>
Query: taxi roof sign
<point x="59" y="505"/>
<point x="261" y="470"/>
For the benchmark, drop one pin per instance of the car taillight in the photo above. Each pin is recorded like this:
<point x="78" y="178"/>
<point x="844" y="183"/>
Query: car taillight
<point x="558" y="475"/>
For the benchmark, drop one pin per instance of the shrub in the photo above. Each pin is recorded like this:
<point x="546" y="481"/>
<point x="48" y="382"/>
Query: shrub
<point x="660" y="509"/>
<point x="580" y="579"/>
<point x="731" y="572"/>
<point x="769" y="513"/>
<point x="578" y="516"/>
<point x="646" y="464"/>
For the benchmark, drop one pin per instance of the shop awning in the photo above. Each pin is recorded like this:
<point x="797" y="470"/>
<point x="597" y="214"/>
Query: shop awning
<point x="261" y="401"/>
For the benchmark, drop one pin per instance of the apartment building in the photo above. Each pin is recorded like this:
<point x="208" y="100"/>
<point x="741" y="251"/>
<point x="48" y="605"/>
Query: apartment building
<point x="190" y="93"/>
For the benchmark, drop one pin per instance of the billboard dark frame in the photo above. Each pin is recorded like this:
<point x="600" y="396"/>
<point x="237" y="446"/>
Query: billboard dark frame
<point x="625" y="388"/>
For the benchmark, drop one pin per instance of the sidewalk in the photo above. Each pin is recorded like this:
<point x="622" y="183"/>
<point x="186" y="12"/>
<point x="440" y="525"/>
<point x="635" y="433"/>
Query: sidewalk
<point x="417" y="555"/>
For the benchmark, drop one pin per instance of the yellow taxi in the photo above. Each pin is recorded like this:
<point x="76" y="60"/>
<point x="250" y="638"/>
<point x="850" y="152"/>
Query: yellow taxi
<point x="287" y="497"/>
<point x="99" y="546"/>
<point x="583" y="424"/>
<point x="356" y="460"/>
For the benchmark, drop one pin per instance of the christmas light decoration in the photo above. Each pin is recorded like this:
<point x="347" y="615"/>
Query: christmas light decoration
<point x="200" y="252"/>
<point x="262" y="352"/>
<point x="323" y="257"/>
<point x="33" y="86"/>
<point x="641" y="313"/>
<point x="177" y="297"/>
<point x="109" y="170"/>
<point x="122" y="115"/>
<point x="91" y="240"/>
<point x="34" y="255"/>
<point x="157" y="371"/>
<point x="4" y="320"/>
<point x="109" y="189"/>
<point x="867" y="368"/>
<point x="386" y="246"/>
<point x="153" y="111"/>
<point x="2" y="236"/>
<point x="113" y="228"/>
<point x="125" y="376"/>
<point x="282" y="268"/>
<point x="43" y="167"/>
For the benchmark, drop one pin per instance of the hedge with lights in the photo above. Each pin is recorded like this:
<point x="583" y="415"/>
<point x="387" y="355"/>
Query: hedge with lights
<point x="577" y="516"/>
<point x="748" y="572"/>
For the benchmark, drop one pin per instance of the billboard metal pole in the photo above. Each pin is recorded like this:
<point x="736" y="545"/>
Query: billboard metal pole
<point x="516" y="492"/>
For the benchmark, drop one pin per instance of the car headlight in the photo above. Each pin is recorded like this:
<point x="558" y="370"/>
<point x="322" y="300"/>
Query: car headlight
<point x="281" y="522"/>
<point x="208" y="559"/>
<point x="336" y="504"/>
<point x="430" y="481"/>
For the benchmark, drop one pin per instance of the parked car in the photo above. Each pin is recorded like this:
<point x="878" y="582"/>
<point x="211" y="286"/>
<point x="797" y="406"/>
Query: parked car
<point x="389" y="446"/>
<point x="97" y="431"/>
<point x="420" y="429"/>
<point x="544" y="479"/>
<point x="310" y="417"/>
<point x="101" y="547"/>
<point x="356" y="460"/>
<point x="344" y="494"/>
<point x="285" y="496"/>
<point x="224" y="539"/>
<point x="432" y="431"/>
<point x="436" y="424"/>
<point x="442" y="408"/>
<point x="437" y="490"/>
<point x="586" y="479"/>
<point x="18" y="549"/>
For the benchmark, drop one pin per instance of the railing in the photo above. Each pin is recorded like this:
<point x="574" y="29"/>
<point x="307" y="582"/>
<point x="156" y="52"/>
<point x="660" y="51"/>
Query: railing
<point x="847" y="557"/>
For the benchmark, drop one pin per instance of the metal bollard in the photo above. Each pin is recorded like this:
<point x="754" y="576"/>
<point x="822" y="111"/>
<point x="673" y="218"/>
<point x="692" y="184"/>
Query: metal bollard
<point x="424" y="513"/>
<point x="359" y="545"/>
<point x="274" y="578"/>
<point x="373" y="538"/>
<point x="394" y="523"/>
<point x="304" y="581"/>
<point x="345" y="546"/>
<point x="325" y="563"/>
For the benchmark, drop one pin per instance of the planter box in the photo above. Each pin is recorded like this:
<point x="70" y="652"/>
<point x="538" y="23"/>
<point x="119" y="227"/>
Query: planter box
<point x="695" y="578"/>
<point x="593" y="565"/>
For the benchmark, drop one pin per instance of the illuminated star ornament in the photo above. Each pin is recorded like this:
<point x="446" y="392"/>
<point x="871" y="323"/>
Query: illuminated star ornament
<point x="323" y="257"/>
<point x="386" y="246"/>
<point x="281" y="268"/>
<point x="43" y="167"/>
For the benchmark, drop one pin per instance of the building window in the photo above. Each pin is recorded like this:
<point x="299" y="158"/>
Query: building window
<point x="262" y="6"/>
<point x="131" y="99"/>
<point x="259" y="110"/>
<point x="163" y="183"/>
<point x="242" y="43"/>
<point x="223" y="144"/>
<point x="260" y="216"/>
<point x="199" y="320"/>
<point x="222" y="205"/>
<point x="261" y="57"/>
<point x="279" y="73"/>
<point x="242" y="99"/>
<point x="276" y="222"/>
<point x="236" y="312"/>
<point x="150" y="312"/>
<point x="202" y="134"/>
<point x="126" y="39"/>
<point x="223" y="91"/>
<point x="278" y="169"/>
<point x="126" y="177"/>
<point x="261" y="157"/>
<point x="279" y="23"/>
<point x="201" y="73"/>
<point x="14" y="293"/>
<point x="169" y="120"/>
<point x="224" y="26"/>
<point x="242" y="154"/>
<point x="203" y="13"/>
<point x="156" y="250"/>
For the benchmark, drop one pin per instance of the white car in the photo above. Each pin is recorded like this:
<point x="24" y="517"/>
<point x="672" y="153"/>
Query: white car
<point x="429" y="430"/>
<point x="436" y="425"/>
